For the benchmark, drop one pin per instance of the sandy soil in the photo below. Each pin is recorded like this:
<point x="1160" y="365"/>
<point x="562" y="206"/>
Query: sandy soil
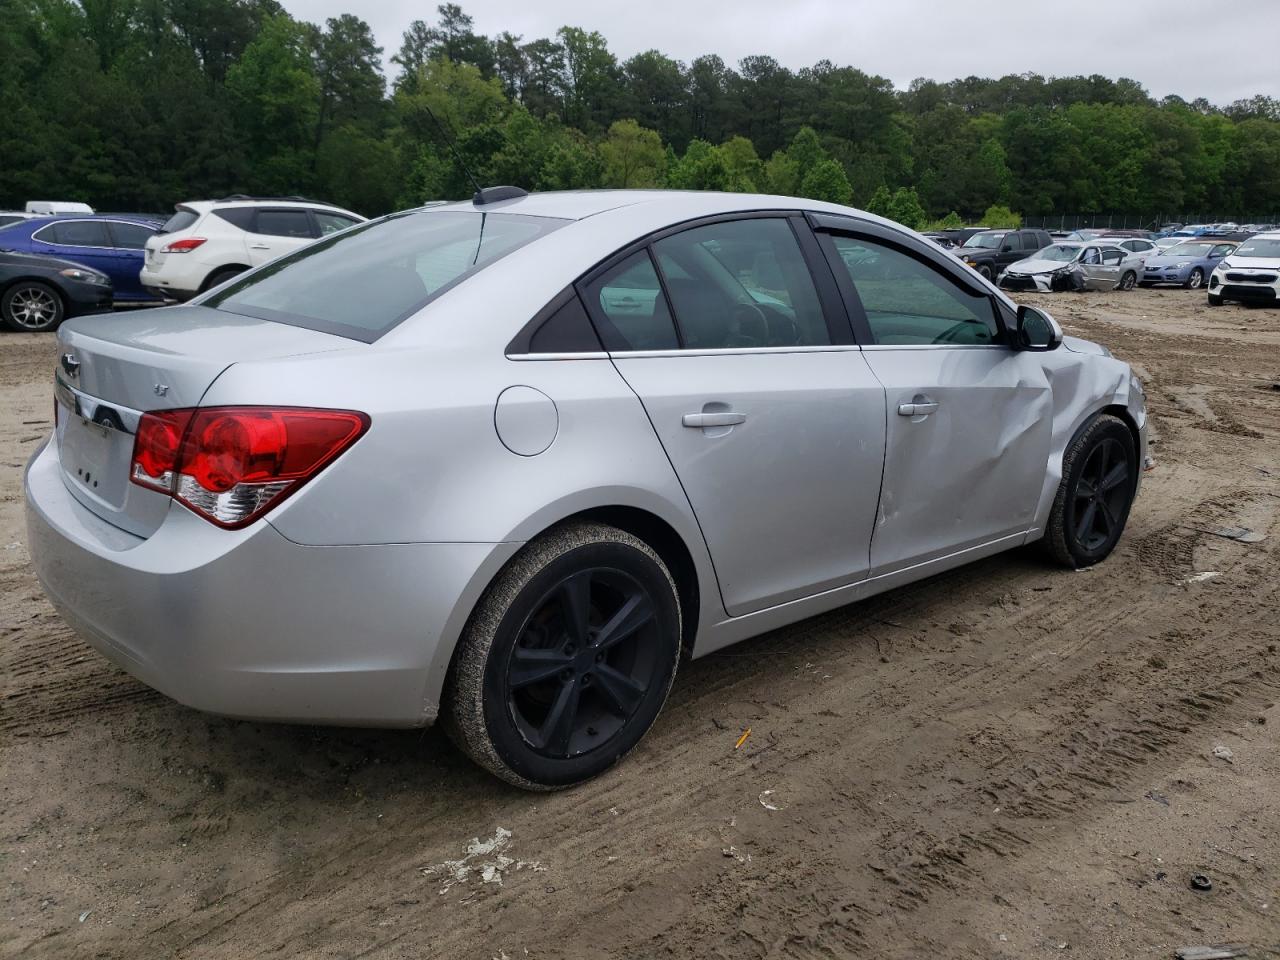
<point x="1008" y="761"/>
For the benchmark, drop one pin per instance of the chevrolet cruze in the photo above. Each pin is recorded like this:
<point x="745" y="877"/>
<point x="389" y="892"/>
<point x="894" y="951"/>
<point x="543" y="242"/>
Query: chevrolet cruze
<point x="502" y="463"/>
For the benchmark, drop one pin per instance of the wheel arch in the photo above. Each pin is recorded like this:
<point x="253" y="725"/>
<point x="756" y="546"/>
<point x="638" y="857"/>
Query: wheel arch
<point x="689" y="567"/>
<point x="223" y="268"/>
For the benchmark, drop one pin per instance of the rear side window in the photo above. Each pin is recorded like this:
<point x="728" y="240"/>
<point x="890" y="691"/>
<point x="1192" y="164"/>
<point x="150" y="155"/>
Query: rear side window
<point x="909" y="302"/>
<point x="741" y="284"/>
<point x="241" y="217"/>
<point x="76" y="233"/>
<point x="130" y="236"/>
<point x="364" y="281"/>
<point x="631" y="311"/>
<point x="284" y="223"/>
<point x="181" y="219"/>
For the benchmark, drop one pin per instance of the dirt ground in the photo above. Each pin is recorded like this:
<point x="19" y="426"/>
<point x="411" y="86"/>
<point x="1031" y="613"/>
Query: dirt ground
<point x="1007" y="761"/>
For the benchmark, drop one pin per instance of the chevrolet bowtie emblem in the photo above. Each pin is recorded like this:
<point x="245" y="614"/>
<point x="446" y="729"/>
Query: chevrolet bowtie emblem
<point x="71" y="364"/>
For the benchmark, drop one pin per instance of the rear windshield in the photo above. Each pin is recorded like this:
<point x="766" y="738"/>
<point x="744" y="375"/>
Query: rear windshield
<point x="363" y="281"/>
<point x="180" y="220"/>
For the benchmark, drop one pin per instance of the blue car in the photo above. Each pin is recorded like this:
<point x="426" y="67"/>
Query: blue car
<point x="1188" y="264"/>
<point x="113" y="245"/>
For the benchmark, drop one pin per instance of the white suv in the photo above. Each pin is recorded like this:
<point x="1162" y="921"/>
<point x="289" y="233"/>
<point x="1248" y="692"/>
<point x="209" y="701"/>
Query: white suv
<point x="207" y="242"/>
<point x="1248" y="274"/>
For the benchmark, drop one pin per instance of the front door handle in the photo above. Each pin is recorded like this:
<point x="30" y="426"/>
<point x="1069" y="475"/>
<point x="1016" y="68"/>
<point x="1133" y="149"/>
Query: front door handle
<point x="725" y="419"/>
<point x="259" y="246"/>
<point x="917" y="409"/>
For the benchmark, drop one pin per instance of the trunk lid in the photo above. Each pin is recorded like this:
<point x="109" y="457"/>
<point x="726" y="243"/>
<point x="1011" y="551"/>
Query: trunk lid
<point x="113" y="368"/>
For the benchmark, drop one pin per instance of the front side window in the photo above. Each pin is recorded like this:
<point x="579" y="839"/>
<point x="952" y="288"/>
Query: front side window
<point x="910" y="302"/>
<point x="366" y="280"/>
<point x="631" y="309"/>
<point x="1091" y="257"/>
<point x="741" y="284"/>
<point x="284" y="223"/>
<point x="76" y="233"/>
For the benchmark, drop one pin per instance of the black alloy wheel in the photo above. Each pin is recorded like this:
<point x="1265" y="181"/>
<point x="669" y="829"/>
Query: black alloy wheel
<point x="1128" y="280"/>
<point x="1101" y="496"/>
<point x="567" y="658"/>
<point x="1099" y="479"/>
<point x="583" y="662"/>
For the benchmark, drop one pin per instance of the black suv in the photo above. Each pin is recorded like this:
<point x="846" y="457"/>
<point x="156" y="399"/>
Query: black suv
<point x="990" y="251"/>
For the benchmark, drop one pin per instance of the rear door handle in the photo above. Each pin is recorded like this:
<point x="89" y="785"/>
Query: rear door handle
<point x="259" y="246"/>
<point x="917" y="409"/>
<point x="726" y="419"/>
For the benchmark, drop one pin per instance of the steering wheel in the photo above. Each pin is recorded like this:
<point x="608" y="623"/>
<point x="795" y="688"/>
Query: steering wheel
<point x="953" y="333"/>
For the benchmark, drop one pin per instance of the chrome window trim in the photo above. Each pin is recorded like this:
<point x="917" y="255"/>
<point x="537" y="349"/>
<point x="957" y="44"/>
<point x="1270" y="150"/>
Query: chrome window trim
<point x="109" y="416"/>
<point x="738" y="351"/>
<point x="939" y="346"/>
<point x="586" y="355"/>
<point x="88" y="246"/>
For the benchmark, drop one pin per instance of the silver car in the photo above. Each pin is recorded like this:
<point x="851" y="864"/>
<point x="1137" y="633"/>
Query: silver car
<point x="1076" y="265"/>
<point x="503" y="462"/>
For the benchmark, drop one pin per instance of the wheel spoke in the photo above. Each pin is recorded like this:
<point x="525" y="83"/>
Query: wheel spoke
<point x="1084" y="489"/>
<point x="634" y="613"/>
<point x="1119" y="473"/>
<point x="1108" y="518"/>
<point x="620" y="691"/>
<point x="534" y="666"/>
<point x="575" y="606"/>
<point x="1104" y="458"/>
<point x="1085" y="526"/>
<point x="557" y="730"/>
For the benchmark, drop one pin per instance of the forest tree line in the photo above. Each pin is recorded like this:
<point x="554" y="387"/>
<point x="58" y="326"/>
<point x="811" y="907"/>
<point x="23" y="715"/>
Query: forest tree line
<point x="137" y="104"/>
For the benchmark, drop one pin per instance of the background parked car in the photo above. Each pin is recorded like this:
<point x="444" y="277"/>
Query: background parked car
<point x="1249" y="274"/>
<point x="207" y="242"/>
<point x="57" y="208"/>
<point x="942" y="240"/>
<point x="110" y="245"/>
<point x="13" y="216"/>
<point x="1187" y="264"/>
<point x="991" y="251"/>
<point x="38" y="293"/>
<point x="1074" y="265"/>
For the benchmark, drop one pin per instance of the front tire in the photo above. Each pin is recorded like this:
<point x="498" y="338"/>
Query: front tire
<point x="1099" y="479"/>
<point x="1196" y="280"/>
<point x="986" y="272"/>
<point x="567" y="659"/>
<point x="1215" y="301"/>
<point x="30" y="306"/>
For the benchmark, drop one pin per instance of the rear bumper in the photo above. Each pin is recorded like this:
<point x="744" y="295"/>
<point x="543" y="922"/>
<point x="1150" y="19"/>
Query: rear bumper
<point x="168" y="287"/>
<point x="249" y="624"/>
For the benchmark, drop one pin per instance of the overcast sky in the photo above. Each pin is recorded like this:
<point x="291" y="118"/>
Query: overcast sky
<point x="1194" y="48"/>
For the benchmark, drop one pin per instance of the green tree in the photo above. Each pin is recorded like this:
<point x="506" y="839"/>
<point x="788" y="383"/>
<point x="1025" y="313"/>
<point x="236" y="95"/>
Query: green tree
<point x="632" y="156"/>
<point x="827" y="181"/>
<point x="999" y="216"/>
<point x="905" y="208"/>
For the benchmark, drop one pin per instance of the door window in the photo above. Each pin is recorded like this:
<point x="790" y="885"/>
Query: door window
<point x="1091" y="257"/>
<point x="741" y="284"/>
<point x="1113" y="256"/>
<point x="284" y="223"/>
<point x="333" y="222"/>
<point x="76" y="233"/>
<point x="130" y="236"/>
<point x="909" y="302"/>
<point x="630" y="307"/>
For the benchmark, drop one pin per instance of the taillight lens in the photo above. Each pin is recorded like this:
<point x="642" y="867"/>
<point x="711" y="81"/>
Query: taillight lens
<point x="183" y="246"/>
<point x="233" y="464"/>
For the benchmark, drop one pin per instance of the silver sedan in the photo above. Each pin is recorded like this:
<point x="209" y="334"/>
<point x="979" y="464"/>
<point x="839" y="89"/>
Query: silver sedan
<point x="503" y="463"/>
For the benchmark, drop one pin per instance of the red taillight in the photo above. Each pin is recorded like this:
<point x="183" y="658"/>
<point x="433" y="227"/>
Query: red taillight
<point x="183" y="246"/>
<point x="233" y="464"/>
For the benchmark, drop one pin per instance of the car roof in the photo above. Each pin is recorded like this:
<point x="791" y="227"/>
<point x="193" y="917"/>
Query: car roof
<point x="204" y="206"/>
<point x="36" y="222"/>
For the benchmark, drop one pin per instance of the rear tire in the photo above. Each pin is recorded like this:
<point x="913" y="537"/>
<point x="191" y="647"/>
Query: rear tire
<point x="221" y="276"/>
<point x="1099" y="478"/>
<point x="1128" y="280"/>
<point x="567" y="659"/>
<point x="30" y="306"/>
<point x="1196" y="280"/>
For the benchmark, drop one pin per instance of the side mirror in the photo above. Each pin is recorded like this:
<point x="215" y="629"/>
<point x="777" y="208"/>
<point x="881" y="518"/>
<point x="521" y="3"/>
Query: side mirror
<point x="1037" y="330"/>
<point x="1007" y="248"/>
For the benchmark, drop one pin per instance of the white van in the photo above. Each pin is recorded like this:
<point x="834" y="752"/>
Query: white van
<point x="56" y="208"/>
